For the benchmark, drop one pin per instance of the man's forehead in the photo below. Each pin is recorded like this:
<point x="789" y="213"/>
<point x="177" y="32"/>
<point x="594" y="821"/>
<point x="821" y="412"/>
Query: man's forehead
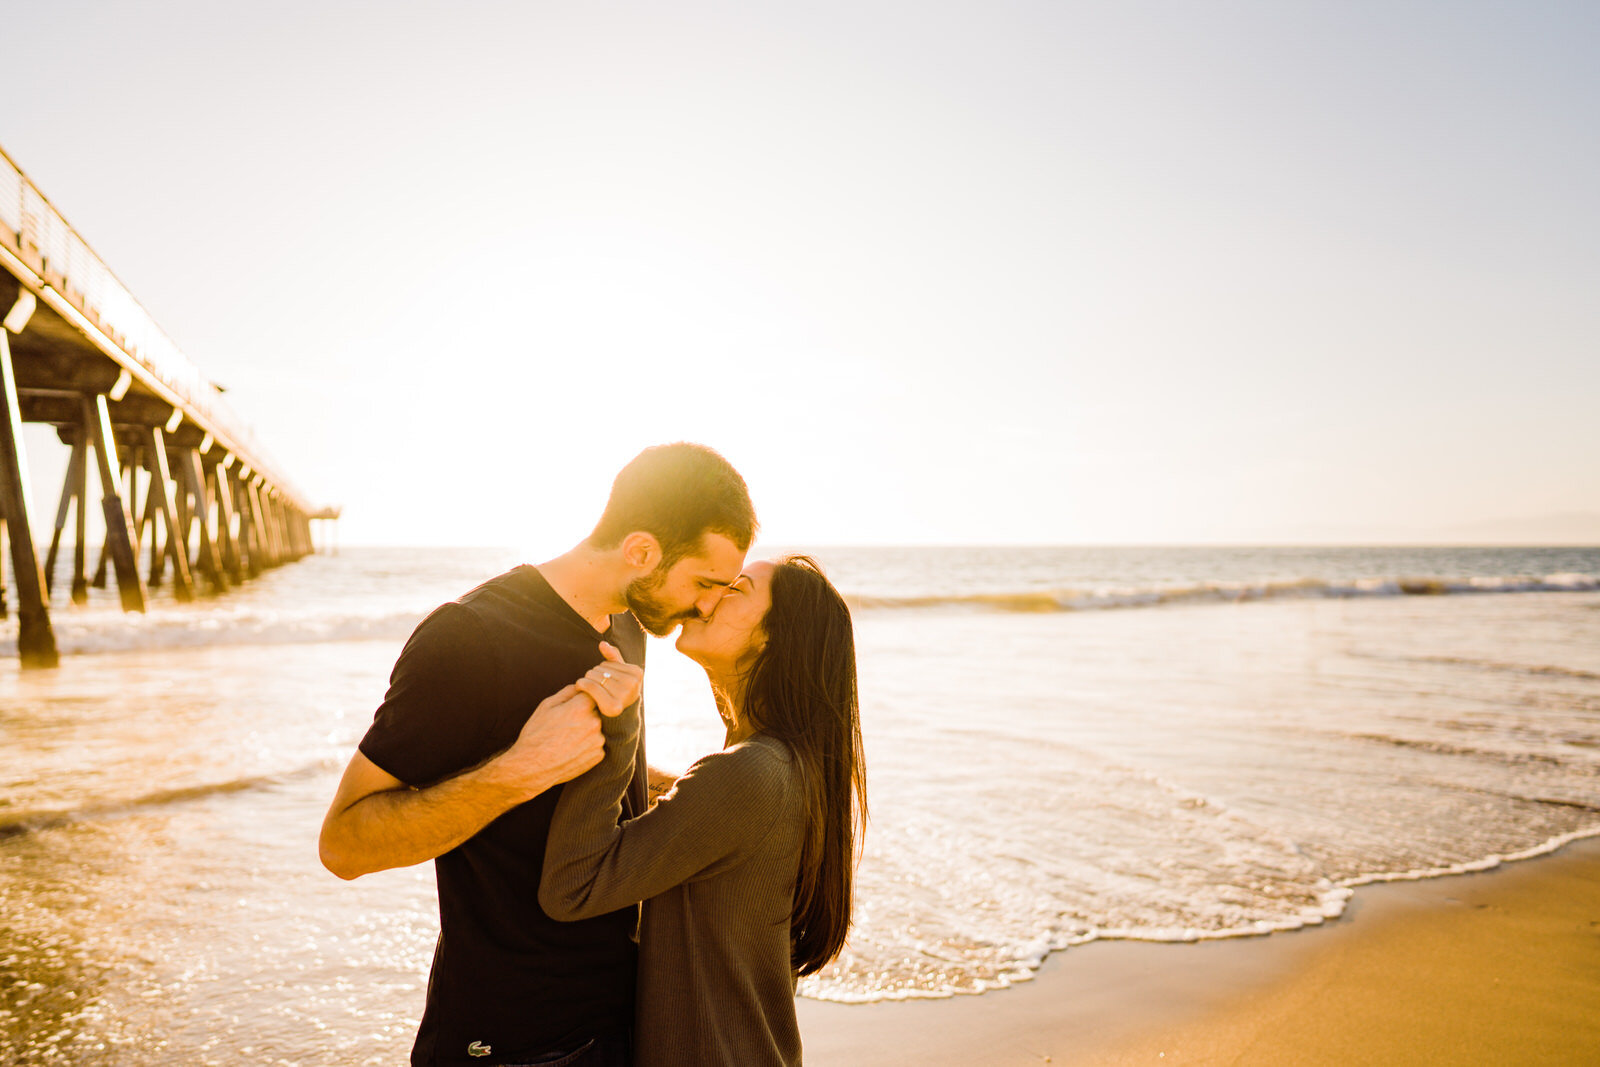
<point x="718" y="560"/>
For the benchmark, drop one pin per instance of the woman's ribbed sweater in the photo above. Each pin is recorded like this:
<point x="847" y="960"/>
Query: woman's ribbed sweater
<point x="714" y="862"/>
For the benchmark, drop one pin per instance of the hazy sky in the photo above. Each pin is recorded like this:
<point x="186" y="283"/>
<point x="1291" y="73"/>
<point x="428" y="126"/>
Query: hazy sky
<point x="926" y="272"/>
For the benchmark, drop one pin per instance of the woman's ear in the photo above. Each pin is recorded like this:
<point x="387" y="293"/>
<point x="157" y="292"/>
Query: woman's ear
<point x="753" y="648"/>
<point x="641" y="551"/>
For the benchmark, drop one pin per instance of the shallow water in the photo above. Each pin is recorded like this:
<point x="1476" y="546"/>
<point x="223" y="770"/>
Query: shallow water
<point x="1038" y="778"/>
<point x="1199" y="772"/>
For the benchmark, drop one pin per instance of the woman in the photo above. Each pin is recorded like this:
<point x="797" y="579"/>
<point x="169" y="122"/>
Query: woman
<point x="745" y="866"/>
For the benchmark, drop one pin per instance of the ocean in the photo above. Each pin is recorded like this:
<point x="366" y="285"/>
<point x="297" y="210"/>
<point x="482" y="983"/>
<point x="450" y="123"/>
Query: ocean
<point x="1063" y="744"/>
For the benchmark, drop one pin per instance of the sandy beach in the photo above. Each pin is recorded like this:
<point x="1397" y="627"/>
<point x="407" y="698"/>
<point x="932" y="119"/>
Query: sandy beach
<point x="1501" y="967"/>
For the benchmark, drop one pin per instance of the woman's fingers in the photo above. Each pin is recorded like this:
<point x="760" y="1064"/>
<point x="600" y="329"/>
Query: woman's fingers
<point x="622" y="679"/>
<point x="614" y="677"/>
<point x="612" y="684"/>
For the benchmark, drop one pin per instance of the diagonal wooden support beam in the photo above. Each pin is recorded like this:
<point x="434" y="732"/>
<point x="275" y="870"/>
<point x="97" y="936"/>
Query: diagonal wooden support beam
<point x="130" y="492"/>
<point x="210" y="557"/>
<point x="119" y="526"/>
<point x="180" y="504"/>
<point x="69" y="493"/>
<point x="246" y="542"/>
<point x="291" y="531"/>
<point x="279" y="547"/>
<point x="280" y="544"/>
<point x="269" y="511"/>
<point x="99" y="580"/>
<point x="259" y="519"/>
<point x="258" y="525"/>
<point x="177" y="545"/>
<point x="36" y="640"/>
<point x="222" y="488"/>
<point x="151" y="513"/>
<point x="132" y="463"/>
<point x="80" y="543"/>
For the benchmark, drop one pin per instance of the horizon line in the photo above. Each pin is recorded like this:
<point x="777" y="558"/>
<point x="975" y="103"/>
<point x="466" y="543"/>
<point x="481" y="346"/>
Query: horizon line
<point x="802" y="544"/>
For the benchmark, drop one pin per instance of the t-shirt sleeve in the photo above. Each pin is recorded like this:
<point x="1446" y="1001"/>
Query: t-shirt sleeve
<point x="715" y="816"/>
<point x="436" y="719"/>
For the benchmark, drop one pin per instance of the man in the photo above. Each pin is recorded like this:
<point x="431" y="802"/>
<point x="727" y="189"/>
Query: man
<point x="464" y="760"/>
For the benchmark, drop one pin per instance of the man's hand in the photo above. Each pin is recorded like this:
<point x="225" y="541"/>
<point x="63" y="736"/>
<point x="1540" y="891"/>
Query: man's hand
<point x="614" y="684"/>
<point x="376" y="822"/>
<point x="560" y="740"/>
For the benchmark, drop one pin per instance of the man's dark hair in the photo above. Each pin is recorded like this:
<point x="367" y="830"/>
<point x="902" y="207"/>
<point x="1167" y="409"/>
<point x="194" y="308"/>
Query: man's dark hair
<point x="679" y="493"/>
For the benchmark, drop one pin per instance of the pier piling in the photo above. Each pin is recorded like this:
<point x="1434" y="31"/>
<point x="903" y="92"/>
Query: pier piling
<point x="210" y="553"/>
<point x="80" y="544"/>
<point x="227" y="524"/>
<point x="119" y="532"/>
<point x="36" y="640"/>
<point x="177" y="540"/>
<point x="71" y="496"/>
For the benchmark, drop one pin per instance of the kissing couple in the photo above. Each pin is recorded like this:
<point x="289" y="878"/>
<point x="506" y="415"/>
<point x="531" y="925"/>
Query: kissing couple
<point x="593" y="911"/>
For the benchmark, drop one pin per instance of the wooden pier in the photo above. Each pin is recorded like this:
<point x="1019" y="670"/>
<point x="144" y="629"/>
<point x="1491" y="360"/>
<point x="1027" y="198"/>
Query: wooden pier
<point x="187" y="494"/>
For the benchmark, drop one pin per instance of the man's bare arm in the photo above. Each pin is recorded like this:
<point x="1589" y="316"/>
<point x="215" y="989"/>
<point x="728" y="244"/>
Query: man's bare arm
<point x="377" y="822"/>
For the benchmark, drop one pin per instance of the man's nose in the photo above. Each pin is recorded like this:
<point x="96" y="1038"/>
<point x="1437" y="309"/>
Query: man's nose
<point x="708" y="602"/>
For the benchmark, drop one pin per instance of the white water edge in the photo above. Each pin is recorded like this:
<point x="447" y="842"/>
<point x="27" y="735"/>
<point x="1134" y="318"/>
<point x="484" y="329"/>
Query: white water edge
<point x="1336" y="902"/>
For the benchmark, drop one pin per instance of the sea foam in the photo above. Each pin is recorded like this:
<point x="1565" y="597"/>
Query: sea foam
<point x="1118" y="597"/>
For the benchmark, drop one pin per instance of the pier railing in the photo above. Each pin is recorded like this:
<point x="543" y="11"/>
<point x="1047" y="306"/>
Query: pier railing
<point x="33" y="230"/>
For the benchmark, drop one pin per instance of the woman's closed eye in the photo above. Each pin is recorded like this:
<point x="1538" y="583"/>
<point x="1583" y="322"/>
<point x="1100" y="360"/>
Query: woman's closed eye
<point x="731" y="589"/>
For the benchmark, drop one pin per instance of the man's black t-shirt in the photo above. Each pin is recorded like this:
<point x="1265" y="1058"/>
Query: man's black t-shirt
<point x="506" y="977"/>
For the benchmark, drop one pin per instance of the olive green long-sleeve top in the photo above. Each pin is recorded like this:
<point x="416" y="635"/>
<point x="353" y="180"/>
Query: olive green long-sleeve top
<point x="714" y="862"/>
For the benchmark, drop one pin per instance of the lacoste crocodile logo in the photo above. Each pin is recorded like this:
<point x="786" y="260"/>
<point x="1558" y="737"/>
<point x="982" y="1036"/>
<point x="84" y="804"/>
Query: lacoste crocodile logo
<point x="477" y="1048"/>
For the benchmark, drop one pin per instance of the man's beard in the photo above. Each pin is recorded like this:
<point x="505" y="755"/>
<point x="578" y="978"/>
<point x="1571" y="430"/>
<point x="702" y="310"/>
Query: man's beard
<point x="652" y="612"/>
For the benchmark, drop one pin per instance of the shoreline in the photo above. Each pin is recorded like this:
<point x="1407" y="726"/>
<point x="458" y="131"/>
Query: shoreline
<point x="1493" y="966"/>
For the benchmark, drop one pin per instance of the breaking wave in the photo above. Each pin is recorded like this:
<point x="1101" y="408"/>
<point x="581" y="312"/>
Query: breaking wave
<point x="216" y="628"/>
<point x="1056" y="600"/>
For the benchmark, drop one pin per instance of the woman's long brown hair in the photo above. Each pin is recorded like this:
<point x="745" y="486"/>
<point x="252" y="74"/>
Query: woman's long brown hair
<point x="802" y="691"/>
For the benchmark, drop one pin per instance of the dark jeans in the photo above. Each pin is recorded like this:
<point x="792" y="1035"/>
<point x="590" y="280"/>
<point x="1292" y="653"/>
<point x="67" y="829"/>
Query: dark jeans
<point x="607" y="1050"/>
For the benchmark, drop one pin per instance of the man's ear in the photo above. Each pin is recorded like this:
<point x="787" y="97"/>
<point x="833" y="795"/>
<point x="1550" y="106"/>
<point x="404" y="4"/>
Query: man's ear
<point x="641" y="551"/>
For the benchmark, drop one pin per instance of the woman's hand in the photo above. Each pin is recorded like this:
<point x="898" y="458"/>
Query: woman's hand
<point x="614" y="684"/>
